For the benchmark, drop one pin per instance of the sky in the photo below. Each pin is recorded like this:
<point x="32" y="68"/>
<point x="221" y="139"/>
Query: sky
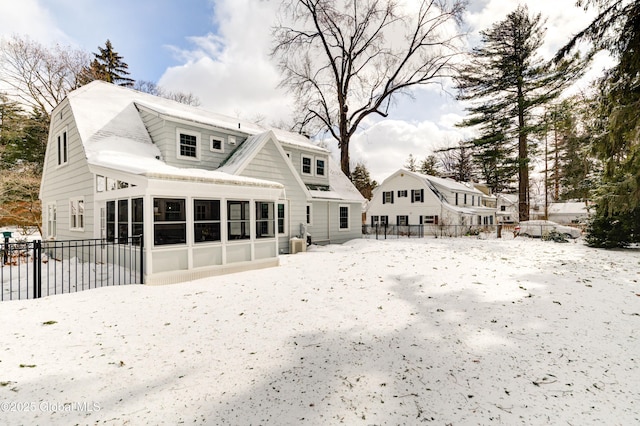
<point x="459" y="331"/>
<point x="219" y="51"/>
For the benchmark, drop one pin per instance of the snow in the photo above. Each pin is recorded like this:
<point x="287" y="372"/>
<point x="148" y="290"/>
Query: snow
<point x="449" y="331"/>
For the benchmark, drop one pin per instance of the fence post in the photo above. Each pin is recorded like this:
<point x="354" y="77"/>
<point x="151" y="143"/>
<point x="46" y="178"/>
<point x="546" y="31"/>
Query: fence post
<point x="37" y="269"/>
<point x="142" y="259"/>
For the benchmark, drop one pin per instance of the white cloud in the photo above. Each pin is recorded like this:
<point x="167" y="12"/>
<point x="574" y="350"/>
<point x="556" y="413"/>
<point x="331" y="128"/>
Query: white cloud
<point x="32" y="18"/>
<point x="231" y="72"/>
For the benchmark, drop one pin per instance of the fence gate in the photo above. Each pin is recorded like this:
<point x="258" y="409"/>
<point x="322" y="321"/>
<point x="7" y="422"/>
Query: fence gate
<point x="30" y="270"/>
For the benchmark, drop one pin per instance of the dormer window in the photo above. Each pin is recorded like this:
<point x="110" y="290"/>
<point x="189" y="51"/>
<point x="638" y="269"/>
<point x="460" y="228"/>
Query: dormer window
<point x="188" y="145"/>
<point x="306" y="165"/>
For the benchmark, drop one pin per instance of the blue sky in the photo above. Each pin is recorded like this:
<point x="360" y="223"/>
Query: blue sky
<point x="218" y="50"/>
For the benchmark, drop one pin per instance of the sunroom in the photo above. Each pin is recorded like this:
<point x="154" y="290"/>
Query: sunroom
<point x="194" y="223"/>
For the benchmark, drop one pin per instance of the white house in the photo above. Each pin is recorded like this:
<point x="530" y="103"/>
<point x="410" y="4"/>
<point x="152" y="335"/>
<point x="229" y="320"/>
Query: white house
<point x="409" y="198"/>
<point x="570" y="212"/>
<point x="210" y="194"/>
<point x="507" y="208"/>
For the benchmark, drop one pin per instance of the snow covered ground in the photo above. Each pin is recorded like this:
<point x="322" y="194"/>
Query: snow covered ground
<point x="442" y="331"/>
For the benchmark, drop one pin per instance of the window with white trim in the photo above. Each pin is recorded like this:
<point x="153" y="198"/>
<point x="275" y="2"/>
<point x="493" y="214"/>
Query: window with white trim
<point x="216" y="144"/>
<point x="306" y="165"/>
<point x="344" y="218"/>
<point x="206" y="221"/>
<point x="309" y="215"/>
<point x="52" y="220"/>
<point x="417" y="195"/>
<point x="402" y="220"/>
<point x="319" y="167"/>
<point x="387" y="197"/>
<point x="169" y="221"/>
<point x="76" y="214"/>
<point x="188" y="144"/>
<point x="430" y="220"/>
<point x="265" y="220"/>
<point x="402" y="193"/>
<point x="282" y="219"/>
<point x="238" y="216"/>
<point x="63" y="148"/>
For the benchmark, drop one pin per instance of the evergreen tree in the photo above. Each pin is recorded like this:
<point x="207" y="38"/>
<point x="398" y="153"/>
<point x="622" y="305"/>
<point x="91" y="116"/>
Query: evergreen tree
<point x="411" y="164"/>
<point x="11" y="129"/>
<point x="107" y="66"/>
<point x="508" y="82"/>
<point x="616" y="29"/>
<point x="429" y="166"/>
<point x="362" y="181"/>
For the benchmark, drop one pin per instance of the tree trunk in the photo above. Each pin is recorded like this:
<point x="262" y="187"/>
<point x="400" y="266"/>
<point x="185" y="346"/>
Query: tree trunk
<point x="523" y="162"/>
<point x="344" y="155"/>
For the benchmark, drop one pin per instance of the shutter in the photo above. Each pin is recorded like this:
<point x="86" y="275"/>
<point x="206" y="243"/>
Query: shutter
<point x="422" y="195"/>
<point x="384" y="197"/>
<point x="391" y="197"/>
<point x="413" y="198"/>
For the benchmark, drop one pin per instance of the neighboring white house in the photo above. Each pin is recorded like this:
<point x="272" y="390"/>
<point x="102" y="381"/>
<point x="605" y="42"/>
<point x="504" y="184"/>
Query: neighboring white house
<point x="564" y="213"/>
<point x="210" y="194"/>
<point x="507" y="209"/>
<point x="409" y="198"/>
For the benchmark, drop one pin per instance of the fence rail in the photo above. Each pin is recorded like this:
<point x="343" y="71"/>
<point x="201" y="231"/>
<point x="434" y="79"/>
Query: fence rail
<point x="427" y="230"/>
<point x="34" y="269"/>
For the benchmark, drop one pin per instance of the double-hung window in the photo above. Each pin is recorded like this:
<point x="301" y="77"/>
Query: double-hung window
<point x="402" y="220"/>
<point x="188" y="144"/>
<point x="63" y="148"/>
<point x="344" y="218"/>
<point x="320" y="167"/>
<point x="387" y="197"/>
<point x="76" y="214"/>
<point x="417" y="195"/>
<point x="306" y="165"/>
<point x="282" y="214"/>
<point x="52" y="220"/>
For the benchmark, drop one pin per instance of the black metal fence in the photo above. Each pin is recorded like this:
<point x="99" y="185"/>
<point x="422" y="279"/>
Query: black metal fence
<point x="35" y="269"/>
<point x="426" y="230"/>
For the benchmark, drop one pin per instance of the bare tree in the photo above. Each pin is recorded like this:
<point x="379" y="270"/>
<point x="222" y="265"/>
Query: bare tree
<point x="345" y="59"/>
<point x="457" y="161"/>
<point x="39" y="76"/>
<point x="19" y="204"/>
<point x="153" y="89"/>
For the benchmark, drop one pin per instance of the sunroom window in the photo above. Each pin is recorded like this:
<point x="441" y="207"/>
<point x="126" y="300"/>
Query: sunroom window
<point x="169" y="219"/>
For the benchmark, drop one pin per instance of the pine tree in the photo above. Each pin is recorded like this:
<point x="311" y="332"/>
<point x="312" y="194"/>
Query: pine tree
<point x="11" y="130"/>
<point x="362" y="181"/>
<point x="411" y="164"/>
<point x="429" y="166"/>
<point x="616" y="29"/>
<point x="508" y="82"/>
<point x="107" y="66"/>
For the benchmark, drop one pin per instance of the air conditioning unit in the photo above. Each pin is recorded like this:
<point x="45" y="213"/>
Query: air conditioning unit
<point x="297" y="245"/>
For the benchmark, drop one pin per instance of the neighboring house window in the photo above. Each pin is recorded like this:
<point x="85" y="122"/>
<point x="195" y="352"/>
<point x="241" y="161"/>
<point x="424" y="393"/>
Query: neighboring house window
<point x="76" y="214"/>
<point x="456" y="198"/>
<point x="282" y="212"/>
<point x="430" y="220"/>
<point x="63" y="148"/>
<point x="238" y="226"/>
<point x="206" y="220"/>
<point x="375" y="220"/>
<point x="465" y="199"/>
<point x="473" y="200"/>
<point x="265" y="220"/>
<point x="503" y="208"/>
<point x="306" y="165"/>
<point x="417" y="195"/>
<point x="402" y="193"/>
<point x="309" y="217"/>
<point x="52" y="220"/>
<point x="387" y="197"/>
<point x="216" y="144"/>
<point x="384" y="220"/>
<point x="188" y="144"/>
<point x="402" y="220"/>
<point x="123" y="220"/>
<point x="344" y="218"/>
<point x="170" y="224"/>
<point x="319" y="167"/>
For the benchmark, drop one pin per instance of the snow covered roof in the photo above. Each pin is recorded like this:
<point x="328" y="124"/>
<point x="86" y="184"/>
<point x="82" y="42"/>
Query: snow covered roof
<point x="448" y="184"/>
<point x="568" y="208"/>
<point x="114" y="136"/>
<point x="340" y="187"/>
